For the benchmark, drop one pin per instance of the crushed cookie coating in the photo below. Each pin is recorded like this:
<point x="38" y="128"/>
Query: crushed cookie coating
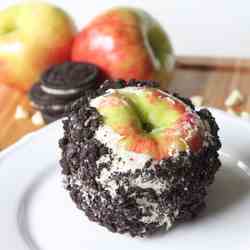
<point x="134" y="209"/>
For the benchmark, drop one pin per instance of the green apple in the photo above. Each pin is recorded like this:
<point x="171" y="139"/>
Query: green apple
<point x="33" y="36"/>
<point x="150" y="121"/>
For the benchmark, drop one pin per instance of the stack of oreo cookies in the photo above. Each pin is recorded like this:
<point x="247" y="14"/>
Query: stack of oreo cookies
<point x="60" y="85"/>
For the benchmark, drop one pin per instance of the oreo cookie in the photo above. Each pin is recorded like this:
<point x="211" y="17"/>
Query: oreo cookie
<point x="70" y="78"/>
<point x="43" y="101"/>
<point x="61" y="85"/>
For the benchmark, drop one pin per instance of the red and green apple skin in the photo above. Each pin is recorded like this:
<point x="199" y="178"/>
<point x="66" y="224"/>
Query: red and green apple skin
<point x="33" y="36"/>
<point x="126" y="43"/>
<point x="151" y="122"/>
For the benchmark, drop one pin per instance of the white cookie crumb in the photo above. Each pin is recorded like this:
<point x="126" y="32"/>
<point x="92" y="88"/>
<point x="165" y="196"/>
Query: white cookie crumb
<point x="37" y="119"/>
<point x="245" y="115"/>
<point x="232" y="112"/>
<point x="197" y="100"/>
<point x="21" y="113"/>
<point x="234" y="98"/>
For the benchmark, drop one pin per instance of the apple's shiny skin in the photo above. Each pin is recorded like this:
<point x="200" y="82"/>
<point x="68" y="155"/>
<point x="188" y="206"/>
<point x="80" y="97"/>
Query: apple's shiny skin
<point x="126" y="43"/>
<point x="33" y="36"/>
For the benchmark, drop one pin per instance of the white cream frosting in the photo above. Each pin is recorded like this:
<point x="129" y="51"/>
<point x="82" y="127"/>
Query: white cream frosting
<point x="124" y="161"/>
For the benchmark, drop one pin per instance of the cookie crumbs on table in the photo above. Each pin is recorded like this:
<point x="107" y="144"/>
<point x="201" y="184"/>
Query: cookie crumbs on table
<point x="197" y="100"/>
<point x="21" y="113"/>
<point x="37" y="119"/>
<point x="235" y="98"/>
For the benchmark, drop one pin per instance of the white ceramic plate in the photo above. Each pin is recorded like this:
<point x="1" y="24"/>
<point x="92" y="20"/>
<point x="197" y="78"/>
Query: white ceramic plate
<point x="36" y="212"/>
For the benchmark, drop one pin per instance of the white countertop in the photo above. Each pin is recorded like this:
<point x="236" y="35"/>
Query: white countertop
<point x="196" y="27"/>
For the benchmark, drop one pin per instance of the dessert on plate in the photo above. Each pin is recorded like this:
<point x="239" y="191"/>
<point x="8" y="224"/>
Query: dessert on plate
<point x="138" y="159"/>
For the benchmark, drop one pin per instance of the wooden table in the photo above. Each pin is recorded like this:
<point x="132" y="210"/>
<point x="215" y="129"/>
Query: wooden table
<point x="212" y="78"/>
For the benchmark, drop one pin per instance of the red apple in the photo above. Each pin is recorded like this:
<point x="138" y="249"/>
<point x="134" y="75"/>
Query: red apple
<point x="126" y="43"/>
<point x="33" y="36"/>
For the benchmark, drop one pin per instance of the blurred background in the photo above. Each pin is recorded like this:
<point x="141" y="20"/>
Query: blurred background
<point x="196" y="27"/>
